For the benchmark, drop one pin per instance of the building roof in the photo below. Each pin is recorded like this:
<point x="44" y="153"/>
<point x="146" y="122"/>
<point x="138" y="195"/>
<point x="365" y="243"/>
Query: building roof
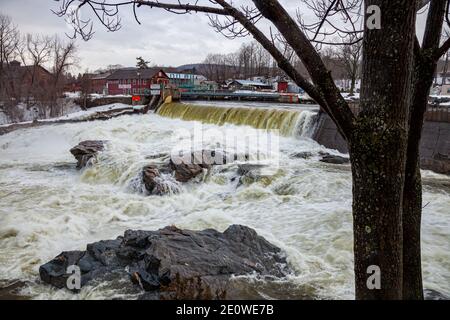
<point x="134" y="73"/>
<point x="16" y="71"/>
<point x="100" y="76"/>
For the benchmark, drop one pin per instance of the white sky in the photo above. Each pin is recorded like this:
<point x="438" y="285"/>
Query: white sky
<point x="164" y="38"/>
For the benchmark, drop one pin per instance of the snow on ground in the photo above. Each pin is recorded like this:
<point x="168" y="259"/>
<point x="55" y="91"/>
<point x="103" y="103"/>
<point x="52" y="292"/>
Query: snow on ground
<point x="72" y="95"/>
<point x="347" y="96"/>
<point x="86" y="113"/>
<point x="77" y="94"/>
<point x="99" y="96"/>
<point x="80" y="115"/>
<point x="255" y="92"/>
<point x="26" y="114"/>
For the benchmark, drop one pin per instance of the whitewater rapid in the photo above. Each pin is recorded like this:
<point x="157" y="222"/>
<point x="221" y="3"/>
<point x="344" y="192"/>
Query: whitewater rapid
<point x="47" y="206"/>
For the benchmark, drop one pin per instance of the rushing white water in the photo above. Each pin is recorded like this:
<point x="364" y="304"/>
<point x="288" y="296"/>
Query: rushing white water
<point x="47" y="206"/>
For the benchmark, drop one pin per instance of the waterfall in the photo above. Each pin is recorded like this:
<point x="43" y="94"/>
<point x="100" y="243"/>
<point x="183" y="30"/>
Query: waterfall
<point x="297" y="123"/>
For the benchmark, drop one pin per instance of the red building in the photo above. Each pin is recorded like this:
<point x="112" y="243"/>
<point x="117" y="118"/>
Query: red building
<point x="98" y="83"/>
<point x="133" y="81"/>
<point x="282" y="86"/>
<point x="20" y="81"/>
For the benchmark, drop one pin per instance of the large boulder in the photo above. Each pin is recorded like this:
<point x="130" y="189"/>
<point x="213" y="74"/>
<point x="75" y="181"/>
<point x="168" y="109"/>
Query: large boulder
<point x="333" y="159"/>
<point x="172" y="263"/>
<point x="85" y="151"/>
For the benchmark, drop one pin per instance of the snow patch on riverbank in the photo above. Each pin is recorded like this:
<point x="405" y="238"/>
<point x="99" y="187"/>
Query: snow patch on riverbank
<point x="77" y="115"/>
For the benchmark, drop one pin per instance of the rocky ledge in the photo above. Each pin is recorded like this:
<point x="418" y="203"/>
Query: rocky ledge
<point x="85" y="151"/>
<point x="172" y="263"/>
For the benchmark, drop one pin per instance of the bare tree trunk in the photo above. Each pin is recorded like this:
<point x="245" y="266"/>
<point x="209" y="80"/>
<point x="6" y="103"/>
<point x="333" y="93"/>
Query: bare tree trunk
<point x="378" y="150"/>
<point x="412" y="193"/>
<point x="425" y="66"/>
<point x="444" y="72"/>
<point x="352" y="85"/>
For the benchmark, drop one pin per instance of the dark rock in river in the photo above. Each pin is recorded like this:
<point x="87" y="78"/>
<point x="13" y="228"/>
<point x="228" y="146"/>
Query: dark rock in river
<point x="155" y="184"/>
<point x="250" y="173"/>
<point x="11" y="290"/>
<point x="439" y="163"/>
<point x="431" y="294"/>
<point x="86" y="150"/>
<point x="329" y="158"/>
<point x="301" y="155"/>
<point x="189" y="165"/>
<point x="185" y="172"/>
<point x="249" y="168"/>
<point x="172" y="263"/>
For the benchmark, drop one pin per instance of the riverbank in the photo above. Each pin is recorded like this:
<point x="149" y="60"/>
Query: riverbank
<point x="104" y="112"/>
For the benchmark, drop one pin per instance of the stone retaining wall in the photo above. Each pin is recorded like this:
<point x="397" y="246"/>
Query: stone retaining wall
<point x="434" y="146"/>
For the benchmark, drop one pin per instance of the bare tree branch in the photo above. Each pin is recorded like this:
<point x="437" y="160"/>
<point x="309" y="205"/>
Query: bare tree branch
<point x="339" y="110"/>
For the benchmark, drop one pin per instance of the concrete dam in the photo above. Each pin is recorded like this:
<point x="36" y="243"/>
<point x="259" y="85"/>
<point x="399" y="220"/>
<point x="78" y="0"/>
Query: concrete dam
<point x="301" y="122"/>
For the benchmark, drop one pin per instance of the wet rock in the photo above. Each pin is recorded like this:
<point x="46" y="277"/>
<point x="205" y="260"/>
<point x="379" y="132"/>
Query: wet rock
<point x="157" y="156"/>
<point x="185" y="172"/>
<point x="86" y="150"/>
<point x="149" y="175"/>
<point x="250" y="173"/>
<point x="439" y="163"/>
<point x="172" y="263"/>
<point x="431" y="294"/>
<point x="249" y="168"/>
<point x="10" y="290"/>
<point x="155" y="184"/>
<point x="301" y="155"/>
<point x="189" y="165"/>
<point x="330" y="158"/>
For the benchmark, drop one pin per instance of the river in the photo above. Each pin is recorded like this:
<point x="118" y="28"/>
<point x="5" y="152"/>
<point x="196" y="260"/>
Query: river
<point x="47" y="206"/>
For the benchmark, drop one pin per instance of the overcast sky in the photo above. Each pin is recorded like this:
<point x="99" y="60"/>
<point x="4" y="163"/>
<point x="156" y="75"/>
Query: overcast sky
<point x="164" y="38"/>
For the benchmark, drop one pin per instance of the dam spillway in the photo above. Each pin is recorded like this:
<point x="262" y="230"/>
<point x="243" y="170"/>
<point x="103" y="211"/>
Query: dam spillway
<point x="287" y="122"/>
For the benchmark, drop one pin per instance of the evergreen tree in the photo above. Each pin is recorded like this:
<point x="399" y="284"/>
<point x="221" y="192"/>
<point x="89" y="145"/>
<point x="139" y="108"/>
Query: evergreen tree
<point x="141" y="63"/>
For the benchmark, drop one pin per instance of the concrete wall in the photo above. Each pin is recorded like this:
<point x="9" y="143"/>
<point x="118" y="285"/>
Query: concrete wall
<point x="434" y="146"/>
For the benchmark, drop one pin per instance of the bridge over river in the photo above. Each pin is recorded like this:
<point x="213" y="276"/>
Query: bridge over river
<point x="246" y="96"/>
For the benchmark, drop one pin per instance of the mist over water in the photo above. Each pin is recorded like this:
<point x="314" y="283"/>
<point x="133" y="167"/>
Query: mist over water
<point x="304" y="207"/>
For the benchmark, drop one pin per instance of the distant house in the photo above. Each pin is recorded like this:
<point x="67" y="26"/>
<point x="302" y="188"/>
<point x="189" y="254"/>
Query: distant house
<point x="98" y="83"/>
<point x="249" y="85"/>
<point x="185" y="80"/>
<point x="209" y="85"/>
<point x="445" y="90"/>
<point x="25" y="80"/>
<point x="129" y="81"/>
<point x="282" y="86"/>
